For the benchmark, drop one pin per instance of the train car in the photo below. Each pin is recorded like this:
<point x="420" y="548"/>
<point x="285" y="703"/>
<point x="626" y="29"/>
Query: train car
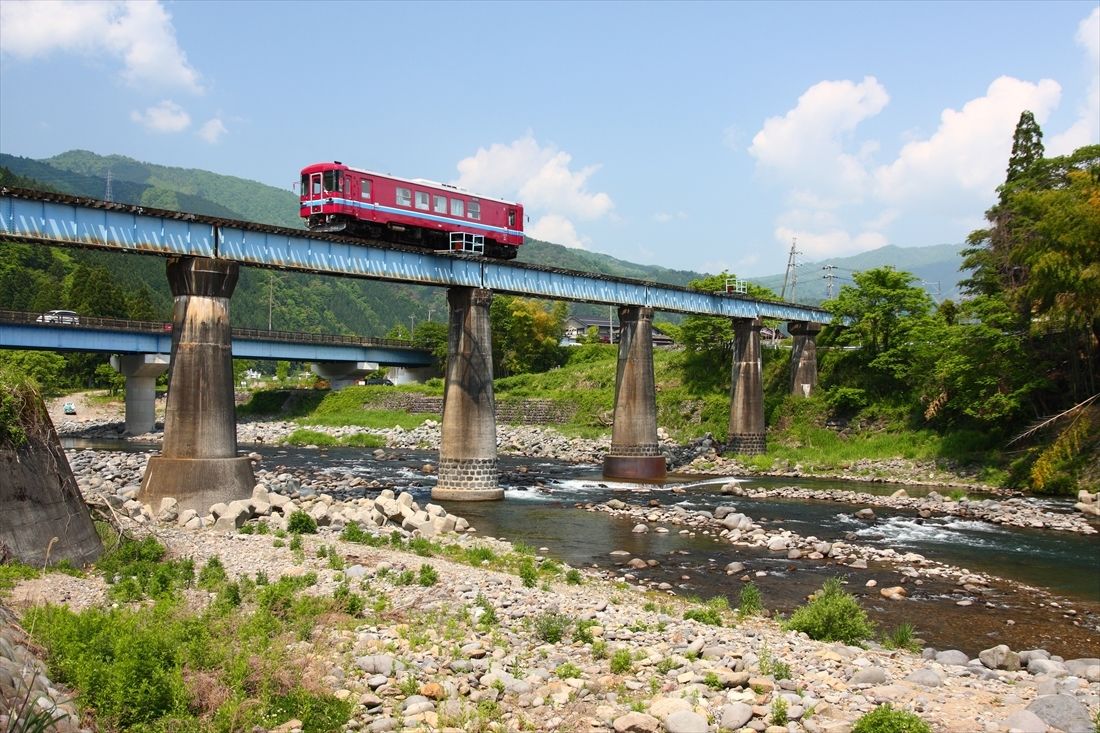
<point x="338" y="198"/>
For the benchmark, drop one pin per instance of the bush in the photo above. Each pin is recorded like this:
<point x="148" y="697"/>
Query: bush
<point x="573" y="577"/>
<point x="528" y="574"/>
<point x="750" y="602"/>
<point x="551" y="627"/>
<point x="846" y="400"/>
<point x="884" y="719"/>
<point x="301" y="523"/>
<point x="621" y="661"/>
<point x="427" y="576"/>
<point x="834" y="615"/>
<point x="138" y="569"/>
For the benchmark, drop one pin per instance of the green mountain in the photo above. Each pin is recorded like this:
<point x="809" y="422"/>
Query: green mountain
<point x="936" y="268"/>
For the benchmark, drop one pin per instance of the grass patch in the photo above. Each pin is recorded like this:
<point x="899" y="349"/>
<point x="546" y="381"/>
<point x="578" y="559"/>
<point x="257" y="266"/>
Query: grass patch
<point x="305" y="436"/>
<point x="885" y="719"/>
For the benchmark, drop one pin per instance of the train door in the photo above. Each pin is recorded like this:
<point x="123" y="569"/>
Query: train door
<point x="316" y="193"/>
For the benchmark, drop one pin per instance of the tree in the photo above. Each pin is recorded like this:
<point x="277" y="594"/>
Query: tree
<point x="432" y="336"/>
<point x="526" y="335"/>
<point x="47" y="369"/>
<point x="1027" y="147"/>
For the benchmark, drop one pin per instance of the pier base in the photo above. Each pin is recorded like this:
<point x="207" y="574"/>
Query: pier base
<point x="635" y="453"/>
<point x="747" y="432"/>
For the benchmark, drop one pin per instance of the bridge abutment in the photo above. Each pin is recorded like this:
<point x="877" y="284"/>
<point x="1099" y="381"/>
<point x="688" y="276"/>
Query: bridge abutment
<point x="468" y="446"/>
<point x="141" y="372"/>
<point x="747" y="432"/>
<point x="635" y="453"/>
<point x="803" y="357"/>
<point x="198" y="464"/>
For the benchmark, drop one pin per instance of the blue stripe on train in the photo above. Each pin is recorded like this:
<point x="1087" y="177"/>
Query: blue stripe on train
<point x="413" y="213"/>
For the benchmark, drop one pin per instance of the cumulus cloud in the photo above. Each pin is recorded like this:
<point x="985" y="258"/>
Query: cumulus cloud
<point x="212" y="130"/>
<point x="969" y="150"/>
<point x="821" y="243"/>
<point x="556" y="229"/>
<point x="139" y="33"/>
<point x="164" y="117"/>
<point x="808" y="141"/>
<point x="543" y="179"/>
<point x="664" y="217"/>
<point x="1086" y="130"/>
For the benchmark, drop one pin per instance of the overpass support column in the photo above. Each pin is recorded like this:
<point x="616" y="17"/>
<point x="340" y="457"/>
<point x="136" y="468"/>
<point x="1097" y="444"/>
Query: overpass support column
<point x="803" y="357"/>
<point x="342" y="374"/>
<point x="635" y="453"/>
<point x="198" y="464"/>
<point x="141" y="372"/>
<point x="746" y="433"/>
<point x="468" y="448"/>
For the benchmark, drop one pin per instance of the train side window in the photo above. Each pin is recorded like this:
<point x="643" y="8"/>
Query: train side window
<point x="316" y="186"/>
<point x="364" y="188"/>
<point x="440" y="204"/>
<point x="404" y="197"/>
<point x="421" y="200"/>
<point x="511" y="218"/>
<point x="305" y="185"/>
<point x="457" y="207"/>
<point x="473" y="211"/>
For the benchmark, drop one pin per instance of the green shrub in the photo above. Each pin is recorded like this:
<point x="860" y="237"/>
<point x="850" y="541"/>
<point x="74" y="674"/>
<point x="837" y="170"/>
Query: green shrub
<point x="621" y="661"/>
<point x="573" y="577"/>
<point x="137" y="569"/>
<point x="779" y="711"/>
<point x="583" y="632"/>
<point x="885" y="719"/>
<point x="902" y="637"/>
<point x="834" y="615"/>
<point x="213" y="575"/>
<point x="567" y="670"/>
<point x="528" y="574"/>
<point x="301" y="523"/>
<point x="551" y="627"/>
<point x="427" y="576"/>
<point x="750" y="603"/>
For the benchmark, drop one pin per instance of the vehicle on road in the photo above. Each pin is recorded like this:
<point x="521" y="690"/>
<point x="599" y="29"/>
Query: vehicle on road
<point x="68" y="408"/>
<point x="69" y="318"/>
<point x="378" y="380"/>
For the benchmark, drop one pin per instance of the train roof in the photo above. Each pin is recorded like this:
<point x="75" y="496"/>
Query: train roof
<point x="335" y="164"/>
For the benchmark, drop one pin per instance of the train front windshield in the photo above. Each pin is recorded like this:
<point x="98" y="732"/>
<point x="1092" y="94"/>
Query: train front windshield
<point x="313" y="186"/>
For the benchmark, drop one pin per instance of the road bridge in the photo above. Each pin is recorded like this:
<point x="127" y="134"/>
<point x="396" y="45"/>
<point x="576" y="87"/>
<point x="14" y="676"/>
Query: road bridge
<point x="205" y="253"/>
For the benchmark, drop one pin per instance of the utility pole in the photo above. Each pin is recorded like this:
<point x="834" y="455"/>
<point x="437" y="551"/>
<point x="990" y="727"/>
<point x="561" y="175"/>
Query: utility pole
<point x="791" y="276"/>
<point x="270" y="296"/>
<point x="430" y="309"/>
<point x="412" y="323"/>
<point x="610" y="324"/>
<point x="108" y="196"/>
<point x="829" y="279"/>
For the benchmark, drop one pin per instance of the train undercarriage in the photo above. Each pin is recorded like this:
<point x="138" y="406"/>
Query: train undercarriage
<point x="412" y="236"/>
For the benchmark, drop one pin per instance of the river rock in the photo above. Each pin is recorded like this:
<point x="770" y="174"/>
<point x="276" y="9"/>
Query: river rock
<point x="1062" y="712"/>
<point x="1000" y="657"/>
<point x="685" y="721"/>
<point x="868" y="676"/>
<point x="1047" y="666"/>
<point x="925" y="677"/>
<point x="777" y="544"/>
<point x="894" y="593"/>
<point x="635" y="722"/>
<point x="867" y="514"/>
<point x="734" y="716"/>
<point x="1086" y="668"/>
<point x="640" y="529"/>
<point x="1024" y="721"/>
<point x="952" y="657"/>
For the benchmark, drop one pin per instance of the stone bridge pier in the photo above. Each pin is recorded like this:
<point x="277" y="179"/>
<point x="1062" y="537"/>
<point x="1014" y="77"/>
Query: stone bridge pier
<point x="199" y="465"/>
<point x="141" y="372"/>
<point x="803" y="357"/>
<point x="468" y="447"/>
<point x="746" y="433"/>
<point x="635" y="453"/>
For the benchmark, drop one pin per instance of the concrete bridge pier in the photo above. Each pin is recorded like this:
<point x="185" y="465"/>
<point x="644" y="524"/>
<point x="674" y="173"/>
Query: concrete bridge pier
<point x="635" y="453"/>
<point x="468" y="448"/>
<point x="803" y="357"/>
<point x="342" y="374"/>
<point x="198" y="464"/>
<point x="411" y="375"/>
<point x="746" y="433"/>
<point x="141" y="372"/>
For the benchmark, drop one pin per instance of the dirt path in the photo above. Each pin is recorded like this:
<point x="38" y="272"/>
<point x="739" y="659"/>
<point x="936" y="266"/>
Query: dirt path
<point x="88" y="409"/>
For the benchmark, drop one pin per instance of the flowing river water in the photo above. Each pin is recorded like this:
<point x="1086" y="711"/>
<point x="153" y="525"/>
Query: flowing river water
<point x="1050" y="598"/>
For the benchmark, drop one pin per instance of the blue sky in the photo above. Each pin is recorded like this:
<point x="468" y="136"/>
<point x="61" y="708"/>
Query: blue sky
<point x="701" y="136"/>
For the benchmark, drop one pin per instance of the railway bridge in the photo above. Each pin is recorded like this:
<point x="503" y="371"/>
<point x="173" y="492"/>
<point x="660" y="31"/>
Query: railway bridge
<point x="199" y="464"/>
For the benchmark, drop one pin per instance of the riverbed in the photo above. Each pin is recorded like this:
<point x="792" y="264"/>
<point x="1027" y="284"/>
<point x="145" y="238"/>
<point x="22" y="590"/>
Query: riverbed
<point x="1049" y="597"/>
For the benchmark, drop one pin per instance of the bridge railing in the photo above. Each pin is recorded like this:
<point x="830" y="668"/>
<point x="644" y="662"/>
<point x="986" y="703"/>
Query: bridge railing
<point x="49" y="320"/>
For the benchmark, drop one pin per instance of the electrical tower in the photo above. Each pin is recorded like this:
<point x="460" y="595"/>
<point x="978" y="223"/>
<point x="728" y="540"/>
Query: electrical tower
<point x="791" y="275"/>
<point x="108" y="195"/>
<point x="830" y="278"/>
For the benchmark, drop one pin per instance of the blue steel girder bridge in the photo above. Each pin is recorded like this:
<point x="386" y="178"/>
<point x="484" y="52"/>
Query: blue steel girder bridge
<point x="205" y="254"/>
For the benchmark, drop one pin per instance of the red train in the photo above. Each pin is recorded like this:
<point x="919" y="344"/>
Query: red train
<point x="338" y="198"/>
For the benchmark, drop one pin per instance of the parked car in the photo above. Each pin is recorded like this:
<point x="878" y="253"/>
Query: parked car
<point x="69" y="318"/>
<point x="69" y="408"/>
<point x="378" y="380"/>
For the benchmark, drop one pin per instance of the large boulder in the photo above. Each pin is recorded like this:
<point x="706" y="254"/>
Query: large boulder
<point x="43" y="518"/>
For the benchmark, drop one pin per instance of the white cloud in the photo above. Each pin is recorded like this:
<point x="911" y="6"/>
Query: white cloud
<point x="542" y="179"/>
<point x="212" y="130"/>
<point x="1086" y="130"/>
<point x="138" y="32"/>
<point x="821" y="243"/>
<point x="556" y="229"/>
<point x="664" y="217"/>
<point x="969" y="151"/>
<point x="808" y="141"/>
<point x="164" y="117"/>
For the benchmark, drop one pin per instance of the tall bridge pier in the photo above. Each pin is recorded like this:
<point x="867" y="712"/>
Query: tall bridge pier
<point x="635" y="453"/>
<point x="198" y="464"/>
<point x="803" y="357"/>
<point x="468" y="447"/>
<point x="746" y="433"/>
